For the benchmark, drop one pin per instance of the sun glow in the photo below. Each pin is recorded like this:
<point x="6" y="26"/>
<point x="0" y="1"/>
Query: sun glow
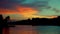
<point x="26" y="12"/>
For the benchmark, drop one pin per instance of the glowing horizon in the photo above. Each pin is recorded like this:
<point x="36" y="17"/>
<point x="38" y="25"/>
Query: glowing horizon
<point x="24" y="13"/>
<point x="20" y="9"/>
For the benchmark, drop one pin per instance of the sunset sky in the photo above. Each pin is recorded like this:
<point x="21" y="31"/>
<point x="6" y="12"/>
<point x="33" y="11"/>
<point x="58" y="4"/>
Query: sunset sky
<point x="23" y="9"/>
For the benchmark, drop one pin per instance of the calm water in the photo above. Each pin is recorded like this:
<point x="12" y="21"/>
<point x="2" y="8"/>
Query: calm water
<point x="28" y="29"/>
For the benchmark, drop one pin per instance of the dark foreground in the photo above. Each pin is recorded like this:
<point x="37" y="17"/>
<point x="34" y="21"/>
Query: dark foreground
<point x="34" y="22"/>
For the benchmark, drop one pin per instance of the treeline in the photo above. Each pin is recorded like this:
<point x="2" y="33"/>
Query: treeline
<point x="34" y="21"/>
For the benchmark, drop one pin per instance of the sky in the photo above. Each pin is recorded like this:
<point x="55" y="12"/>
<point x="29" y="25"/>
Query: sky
<point x="23" y="9"/>
<point x="29" y="29"/>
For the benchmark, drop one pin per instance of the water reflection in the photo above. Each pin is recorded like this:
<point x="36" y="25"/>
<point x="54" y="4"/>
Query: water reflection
<point x="28" y="29"/>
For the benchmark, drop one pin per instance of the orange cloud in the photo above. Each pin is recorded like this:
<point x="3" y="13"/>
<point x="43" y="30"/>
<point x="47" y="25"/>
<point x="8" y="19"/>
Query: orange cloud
<point x="26" y="12"/>
<point x="29" y="13"/>
<point x="7" y="11"/>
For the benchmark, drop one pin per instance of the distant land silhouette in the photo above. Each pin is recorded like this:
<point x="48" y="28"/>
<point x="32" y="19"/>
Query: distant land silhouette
<point x="34" y="21"/>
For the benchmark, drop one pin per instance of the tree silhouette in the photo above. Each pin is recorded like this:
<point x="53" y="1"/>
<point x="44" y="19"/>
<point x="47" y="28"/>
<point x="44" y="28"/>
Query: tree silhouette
<point x="7" y="18"/>
<point x="1" y="17"/>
